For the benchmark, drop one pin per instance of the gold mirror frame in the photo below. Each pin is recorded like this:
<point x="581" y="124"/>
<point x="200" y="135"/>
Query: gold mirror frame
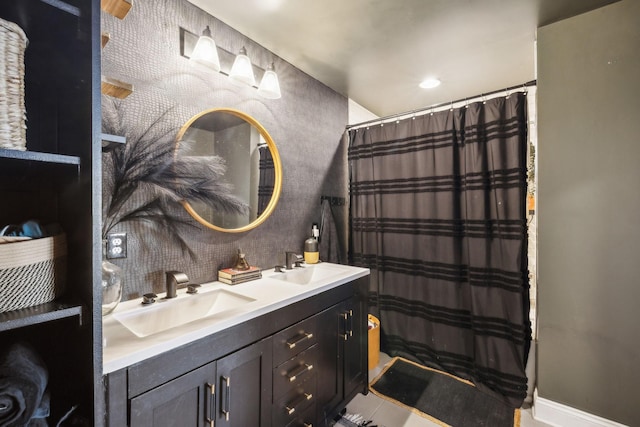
<point x="277" y="186"/>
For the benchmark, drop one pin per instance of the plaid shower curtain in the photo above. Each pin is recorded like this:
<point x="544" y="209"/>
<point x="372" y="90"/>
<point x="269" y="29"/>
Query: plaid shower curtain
<point x="438" y="215"/>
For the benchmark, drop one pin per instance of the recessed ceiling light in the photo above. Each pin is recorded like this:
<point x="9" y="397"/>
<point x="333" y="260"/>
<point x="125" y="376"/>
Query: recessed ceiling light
<point x="430" y="83"/>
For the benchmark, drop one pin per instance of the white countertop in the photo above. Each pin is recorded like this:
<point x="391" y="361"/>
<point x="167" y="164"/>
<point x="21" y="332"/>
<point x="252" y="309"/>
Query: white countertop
<point x="122" y="348"/>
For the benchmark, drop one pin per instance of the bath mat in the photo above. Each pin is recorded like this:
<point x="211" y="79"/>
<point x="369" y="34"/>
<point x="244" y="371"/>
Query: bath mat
<point x="443" y="398"/>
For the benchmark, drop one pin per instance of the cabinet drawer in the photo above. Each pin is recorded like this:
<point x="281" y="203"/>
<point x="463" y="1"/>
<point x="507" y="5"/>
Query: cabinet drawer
<point x="305" y="418"/>
<point x="296" y="401"/>
<point x="291" y="341"/>
<point x="294" y="371"/>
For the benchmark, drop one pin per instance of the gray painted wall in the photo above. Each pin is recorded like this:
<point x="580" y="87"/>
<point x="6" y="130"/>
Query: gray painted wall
<point x="589" y="205"/>
<point x="306" y="124"/>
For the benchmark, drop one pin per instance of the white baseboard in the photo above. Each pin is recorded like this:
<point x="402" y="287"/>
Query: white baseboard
<point x="557" y="414"/>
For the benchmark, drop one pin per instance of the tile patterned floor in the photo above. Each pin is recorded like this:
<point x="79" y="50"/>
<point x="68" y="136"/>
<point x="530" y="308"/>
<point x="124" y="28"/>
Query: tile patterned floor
<point x="386" y="414"/>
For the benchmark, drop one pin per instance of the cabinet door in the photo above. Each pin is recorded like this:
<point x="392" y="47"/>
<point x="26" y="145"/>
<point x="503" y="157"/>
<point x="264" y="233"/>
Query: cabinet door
<point x="329" y="386"/>
<point x="355" y="341"/>
<point x="342" y="362"/>
<point x="244" y="387"/>
<point x="186" y="401"/>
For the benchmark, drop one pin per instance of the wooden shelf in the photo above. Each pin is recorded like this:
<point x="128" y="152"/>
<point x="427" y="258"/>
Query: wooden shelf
<point x="116" y="88"/>
<point x="35" y="156"/>
<point x="117" y="8"/>
<point x="37" y="314"/>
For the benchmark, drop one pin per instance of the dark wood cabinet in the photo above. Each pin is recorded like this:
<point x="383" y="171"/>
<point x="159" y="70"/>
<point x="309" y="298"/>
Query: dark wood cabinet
<point x="296" y="366"/>
<point x="233" y="391"/>
<point x="244" y="387"/>
<point x="187" y="401"/>
<point x="343" y="359"/>
<point x="355" y="348"/>
<point x="295" y="372"/>
<point x="57" y="180"/>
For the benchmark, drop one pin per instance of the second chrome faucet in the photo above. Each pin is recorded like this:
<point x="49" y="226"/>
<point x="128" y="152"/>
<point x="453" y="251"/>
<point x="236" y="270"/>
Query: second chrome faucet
<point x="291" y="259"/>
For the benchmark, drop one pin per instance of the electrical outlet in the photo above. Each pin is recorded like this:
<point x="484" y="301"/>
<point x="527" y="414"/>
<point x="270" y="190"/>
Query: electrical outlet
<point x="116" y="245"/>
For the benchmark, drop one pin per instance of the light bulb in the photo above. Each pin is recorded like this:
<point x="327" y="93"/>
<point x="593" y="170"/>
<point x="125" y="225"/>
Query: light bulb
<point x="270" y="86"/>
<point x="242" y="70"/>
<point x="206" y="52"/>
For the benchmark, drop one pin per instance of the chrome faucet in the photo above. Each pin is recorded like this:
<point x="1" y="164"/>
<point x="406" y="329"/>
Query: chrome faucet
<point x="292" y="258"/>
<point x="174" y="279"/>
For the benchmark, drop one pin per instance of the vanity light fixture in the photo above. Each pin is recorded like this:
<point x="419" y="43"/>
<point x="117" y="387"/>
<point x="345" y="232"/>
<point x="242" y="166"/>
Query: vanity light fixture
<point x="430" y="83"/>
<point x="205" y="52"/>
<point x="269" y="85"/>
<point x="238" y="68"/>
<point x="242" y="70"/>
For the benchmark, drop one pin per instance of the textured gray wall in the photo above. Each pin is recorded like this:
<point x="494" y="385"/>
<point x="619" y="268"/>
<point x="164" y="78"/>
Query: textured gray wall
<point x="588" y="100"/>
<point x="306" y="124"/>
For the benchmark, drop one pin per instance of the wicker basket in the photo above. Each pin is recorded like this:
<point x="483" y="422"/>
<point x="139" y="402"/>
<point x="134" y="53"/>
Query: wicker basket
<point x="32" y="272"/>
<point x="13" y="43"/>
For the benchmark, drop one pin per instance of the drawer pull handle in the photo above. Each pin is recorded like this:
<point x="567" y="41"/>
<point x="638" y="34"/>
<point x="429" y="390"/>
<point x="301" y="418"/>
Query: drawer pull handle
<point x="304" y="368"/>
<point x="304" y="397"/>
<point x="211" y="404"/>
<point x="303" y="336"/>
<point x="348" y="325"/>
<point x="225" y="404"/>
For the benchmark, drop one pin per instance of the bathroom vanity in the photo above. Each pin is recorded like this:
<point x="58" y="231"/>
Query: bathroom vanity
<point x="289" y="349"/>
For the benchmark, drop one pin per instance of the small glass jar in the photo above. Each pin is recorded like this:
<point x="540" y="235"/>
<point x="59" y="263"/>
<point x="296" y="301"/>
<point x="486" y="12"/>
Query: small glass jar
<point x="112" y="281"/>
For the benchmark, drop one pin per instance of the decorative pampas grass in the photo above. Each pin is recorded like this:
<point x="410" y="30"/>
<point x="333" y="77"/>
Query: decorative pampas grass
<point x="145" y="181"/>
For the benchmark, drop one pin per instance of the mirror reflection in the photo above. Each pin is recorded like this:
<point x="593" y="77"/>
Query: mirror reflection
<point x="251" y="161"/>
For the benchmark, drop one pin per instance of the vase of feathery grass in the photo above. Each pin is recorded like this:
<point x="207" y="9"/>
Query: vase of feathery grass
<point x="112" y="281"/>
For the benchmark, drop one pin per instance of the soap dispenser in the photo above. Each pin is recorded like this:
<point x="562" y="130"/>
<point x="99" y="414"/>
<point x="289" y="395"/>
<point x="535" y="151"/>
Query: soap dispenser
<point x="311" y="254"/>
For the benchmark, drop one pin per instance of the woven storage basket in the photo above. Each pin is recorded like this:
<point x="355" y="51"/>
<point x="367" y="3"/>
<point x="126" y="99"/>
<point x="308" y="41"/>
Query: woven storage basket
<point x="13" y="43"/>
<point x="32" y="272"/>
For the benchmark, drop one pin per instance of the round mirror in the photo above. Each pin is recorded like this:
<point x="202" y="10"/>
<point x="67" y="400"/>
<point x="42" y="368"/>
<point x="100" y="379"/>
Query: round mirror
<point x="252" y="165"/>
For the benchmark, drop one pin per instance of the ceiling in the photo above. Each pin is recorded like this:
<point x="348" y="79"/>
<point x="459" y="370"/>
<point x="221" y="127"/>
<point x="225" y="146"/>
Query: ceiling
<point x="376" y="52"/>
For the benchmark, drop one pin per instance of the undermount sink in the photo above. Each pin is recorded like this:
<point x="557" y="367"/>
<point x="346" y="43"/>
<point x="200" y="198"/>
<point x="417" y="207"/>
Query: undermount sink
<point x="310" y="273"/>
<point x="167" y="314"/>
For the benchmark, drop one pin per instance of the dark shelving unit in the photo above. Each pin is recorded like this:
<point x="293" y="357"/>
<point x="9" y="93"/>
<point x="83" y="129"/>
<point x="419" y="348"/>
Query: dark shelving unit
<point x="58" y="179"/>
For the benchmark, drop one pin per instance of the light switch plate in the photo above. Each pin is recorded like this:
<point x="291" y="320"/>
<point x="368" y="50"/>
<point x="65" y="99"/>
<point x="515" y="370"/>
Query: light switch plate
<point x="116" y="245"/>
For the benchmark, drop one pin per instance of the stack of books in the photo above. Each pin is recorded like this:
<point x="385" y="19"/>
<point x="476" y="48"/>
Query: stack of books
<point x="232" y="276"/>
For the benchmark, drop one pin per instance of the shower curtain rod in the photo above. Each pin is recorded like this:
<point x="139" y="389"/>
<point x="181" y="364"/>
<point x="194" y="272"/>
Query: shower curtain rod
<point x="432" y="107"/>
